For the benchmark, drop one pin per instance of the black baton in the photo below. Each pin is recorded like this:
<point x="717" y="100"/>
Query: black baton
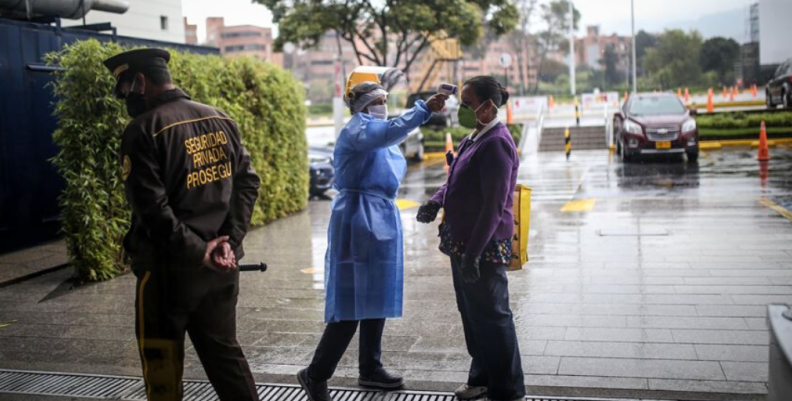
<point x="254" y="267"/>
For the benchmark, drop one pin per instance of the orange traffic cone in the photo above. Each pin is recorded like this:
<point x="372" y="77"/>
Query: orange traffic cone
<point x="764" y="152"/>
<point x="710" y="101"/>
<point x="509" y="114"/>
<point x="626" y="96"/>
<point x="731" y="94"/>
<point x="725" y="94"/>
<point x="551" y="105"/>
<point x="679" y="94"/>
<point x="754" y="91"/>
<point x="687" y="95"/>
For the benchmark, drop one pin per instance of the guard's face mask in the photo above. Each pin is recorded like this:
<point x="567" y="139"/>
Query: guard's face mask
<point x="135" y="102"/>
<point x="468" y="117"/>
<point x="380" y="111"/>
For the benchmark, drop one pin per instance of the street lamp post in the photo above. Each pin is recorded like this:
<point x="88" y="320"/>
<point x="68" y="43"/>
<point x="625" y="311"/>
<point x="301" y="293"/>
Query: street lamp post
<point x="634" y="61"/>
<point x="572" y="48"/>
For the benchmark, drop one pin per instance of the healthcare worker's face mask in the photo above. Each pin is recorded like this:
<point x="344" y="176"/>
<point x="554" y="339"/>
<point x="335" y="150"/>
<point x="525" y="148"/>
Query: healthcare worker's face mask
<point x="380" y="111"/>
<point x="135" y="102"/>
<point x="468" y="117"/>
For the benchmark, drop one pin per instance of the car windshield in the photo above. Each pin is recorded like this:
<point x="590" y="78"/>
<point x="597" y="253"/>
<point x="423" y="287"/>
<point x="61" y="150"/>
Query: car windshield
<point x="656" y="106"/>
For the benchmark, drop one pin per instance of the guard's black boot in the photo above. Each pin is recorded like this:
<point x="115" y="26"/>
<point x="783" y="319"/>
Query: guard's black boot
<point x="381" y="379"/>
<point x="316" y="391"/>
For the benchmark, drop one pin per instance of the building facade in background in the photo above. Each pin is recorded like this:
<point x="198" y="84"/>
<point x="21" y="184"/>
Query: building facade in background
<point x="590" y="49"/>
<point x="241" y="40"/>
<point x="190" y="33"/>
<point x="146" y="19"/>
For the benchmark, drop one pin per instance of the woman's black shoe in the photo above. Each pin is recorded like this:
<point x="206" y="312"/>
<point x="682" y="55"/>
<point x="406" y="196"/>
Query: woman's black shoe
<point x="317" y="391"/>
<point x="381" y="379"/>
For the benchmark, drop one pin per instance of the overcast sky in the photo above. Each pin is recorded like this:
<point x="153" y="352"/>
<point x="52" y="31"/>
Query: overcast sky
<point x="611" y="15"/>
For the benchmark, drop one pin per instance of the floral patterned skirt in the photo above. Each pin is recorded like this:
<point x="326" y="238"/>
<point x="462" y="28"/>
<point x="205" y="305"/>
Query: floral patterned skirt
<point x="497" y="251"/>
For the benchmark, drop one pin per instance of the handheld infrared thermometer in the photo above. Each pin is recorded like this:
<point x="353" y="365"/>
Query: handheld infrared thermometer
<point x="447" y="89"/>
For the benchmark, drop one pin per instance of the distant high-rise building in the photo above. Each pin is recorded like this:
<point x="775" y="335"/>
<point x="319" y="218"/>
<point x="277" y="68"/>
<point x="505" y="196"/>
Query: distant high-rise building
<point x="190" y="33"/>
<point x="155" y="20"/>
<point x="590" y="49"/>
<point x="753" y="23"/>
<point x="241" y="40"/>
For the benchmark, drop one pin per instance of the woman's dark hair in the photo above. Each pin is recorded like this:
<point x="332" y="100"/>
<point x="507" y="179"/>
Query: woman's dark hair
<point x="487" y="88"/>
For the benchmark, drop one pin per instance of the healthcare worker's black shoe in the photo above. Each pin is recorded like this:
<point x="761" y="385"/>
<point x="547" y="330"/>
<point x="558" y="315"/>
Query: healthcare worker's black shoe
<point x="381" y="379"/>
<point x="316" y="391"/>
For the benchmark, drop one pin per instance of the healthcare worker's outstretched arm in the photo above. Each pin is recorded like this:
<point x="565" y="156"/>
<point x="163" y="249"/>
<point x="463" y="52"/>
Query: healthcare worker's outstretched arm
<point x="376" y="134"/>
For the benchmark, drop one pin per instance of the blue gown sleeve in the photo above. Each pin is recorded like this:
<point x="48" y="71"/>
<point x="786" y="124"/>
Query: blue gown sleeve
<point x="382" y="134"/>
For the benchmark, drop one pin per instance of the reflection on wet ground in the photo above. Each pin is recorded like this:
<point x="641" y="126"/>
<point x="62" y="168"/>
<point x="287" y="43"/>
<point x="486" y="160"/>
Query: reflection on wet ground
<point x="661" y="285"/>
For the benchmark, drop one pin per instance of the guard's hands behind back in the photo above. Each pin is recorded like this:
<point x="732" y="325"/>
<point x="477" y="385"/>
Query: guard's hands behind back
<point x="217" y="255"/>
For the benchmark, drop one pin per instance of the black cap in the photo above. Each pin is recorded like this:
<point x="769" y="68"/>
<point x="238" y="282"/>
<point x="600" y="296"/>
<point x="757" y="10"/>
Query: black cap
<point x="129" y="63"/>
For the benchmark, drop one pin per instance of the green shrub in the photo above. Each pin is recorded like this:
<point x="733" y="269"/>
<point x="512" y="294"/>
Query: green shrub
<point x="744" y="121"/>
<point x="266" y="102"/>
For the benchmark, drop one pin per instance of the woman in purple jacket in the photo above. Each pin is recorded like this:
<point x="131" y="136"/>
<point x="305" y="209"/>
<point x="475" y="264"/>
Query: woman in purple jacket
<point x="477" y="235"/>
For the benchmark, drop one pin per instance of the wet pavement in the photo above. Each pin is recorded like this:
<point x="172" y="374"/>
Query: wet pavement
<point x="644" y="280"/>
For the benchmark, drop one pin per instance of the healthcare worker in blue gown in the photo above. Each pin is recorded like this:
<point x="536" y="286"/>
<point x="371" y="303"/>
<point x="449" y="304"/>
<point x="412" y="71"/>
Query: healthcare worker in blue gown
<point x="363" y="264"/>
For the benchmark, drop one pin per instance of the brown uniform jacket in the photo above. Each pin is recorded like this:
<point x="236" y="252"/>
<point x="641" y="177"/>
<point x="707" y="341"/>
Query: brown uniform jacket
<point x="188" y="179"/>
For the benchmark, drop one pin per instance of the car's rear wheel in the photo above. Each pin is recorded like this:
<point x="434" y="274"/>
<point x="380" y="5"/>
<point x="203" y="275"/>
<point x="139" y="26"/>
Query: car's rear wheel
<point x="693" y="155"/>
<point x="769" y="99"/>
<point x="785" y="96"/>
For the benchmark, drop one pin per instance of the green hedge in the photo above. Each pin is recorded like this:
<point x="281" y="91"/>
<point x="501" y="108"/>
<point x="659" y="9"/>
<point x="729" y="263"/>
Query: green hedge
<point x="434" y="138"/>
<point x="265" y="101"/>
<point x="744" y="121"/>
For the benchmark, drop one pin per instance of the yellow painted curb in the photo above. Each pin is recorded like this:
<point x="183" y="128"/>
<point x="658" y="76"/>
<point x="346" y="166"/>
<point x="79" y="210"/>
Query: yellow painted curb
<point x="578" y="206"/>
<point x="434" y="155"/>
<point x="742" y="142"/>
<point x="772" y="205"/>
<point x="404" y="204"/>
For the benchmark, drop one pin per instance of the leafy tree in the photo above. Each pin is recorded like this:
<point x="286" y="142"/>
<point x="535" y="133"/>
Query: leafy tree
<point x="643" y="42"/>
<point x="521" y="39"/>
<point x="555" y="18"/>
<point x="610" y="63"/>
<point x="720" y="55"/>
<point x="673" y="63"/>
<point x="553" y="69"/>
<point x="389" y="32"/>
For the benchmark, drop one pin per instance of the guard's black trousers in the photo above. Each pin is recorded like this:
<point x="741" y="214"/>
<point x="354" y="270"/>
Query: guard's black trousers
<point x="336" y="339"/>
<point x="202" y="303"/>
<point x="489" y="332"/>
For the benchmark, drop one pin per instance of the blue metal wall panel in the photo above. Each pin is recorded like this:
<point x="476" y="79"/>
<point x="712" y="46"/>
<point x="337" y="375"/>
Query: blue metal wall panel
<point x="29" y="183"/>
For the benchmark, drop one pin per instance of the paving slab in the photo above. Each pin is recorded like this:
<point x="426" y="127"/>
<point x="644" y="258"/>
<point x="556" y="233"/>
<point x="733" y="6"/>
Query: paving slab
<point x="672" y="308"/>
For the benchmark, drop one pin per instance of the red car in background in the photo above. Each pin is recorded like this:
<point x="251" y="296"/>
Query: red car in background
<point x="655" y="124"/>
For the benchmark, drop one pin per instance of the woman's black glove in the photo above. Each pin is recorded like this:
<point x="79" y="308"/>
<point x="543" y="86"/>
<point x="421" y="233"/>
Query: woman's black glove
<point x="427" y="213"/>
<point x="470" y="269"/>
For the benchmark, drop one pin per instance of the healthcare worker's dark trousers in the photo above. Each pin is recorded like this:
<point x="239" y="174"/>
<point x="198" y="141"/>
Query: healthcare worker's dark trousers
<point x="336" y="339"/>
<point x="199" y="302"/>
<point x="489" y="332"/>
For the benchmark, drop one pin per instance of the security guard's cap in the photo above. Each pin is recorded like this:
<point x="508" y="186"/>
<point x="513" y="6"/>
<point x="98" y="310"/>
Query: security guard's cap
<point x="125" y="65"/>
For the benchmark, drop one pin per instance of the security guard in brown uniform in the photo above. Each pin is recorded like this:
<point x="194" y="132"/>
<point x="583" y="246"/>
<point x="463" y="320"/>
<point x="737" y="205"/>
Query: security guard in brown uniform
<point x="191" y="187"/>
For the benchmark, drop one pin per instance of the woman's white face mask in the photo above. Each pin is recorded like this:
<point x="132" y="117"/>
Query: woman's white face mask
<point x="380" y="111"/>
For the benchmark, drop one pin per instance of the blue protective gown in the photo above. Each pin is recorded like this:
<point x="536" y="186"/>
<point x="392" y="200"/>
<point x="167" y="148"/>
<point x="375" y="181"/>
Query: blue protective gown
<point x="364" y="259"/>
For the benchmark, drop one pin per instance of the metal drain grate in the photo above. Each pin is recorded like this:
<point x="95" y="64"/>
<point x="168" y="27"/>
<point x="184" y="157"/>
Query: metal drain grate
<point x="132" y="389"/>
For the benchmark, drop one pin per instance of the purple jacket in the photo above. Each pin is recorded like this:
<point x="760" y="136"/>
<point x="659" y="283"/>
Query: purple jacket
<point x="477" y="197"/>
